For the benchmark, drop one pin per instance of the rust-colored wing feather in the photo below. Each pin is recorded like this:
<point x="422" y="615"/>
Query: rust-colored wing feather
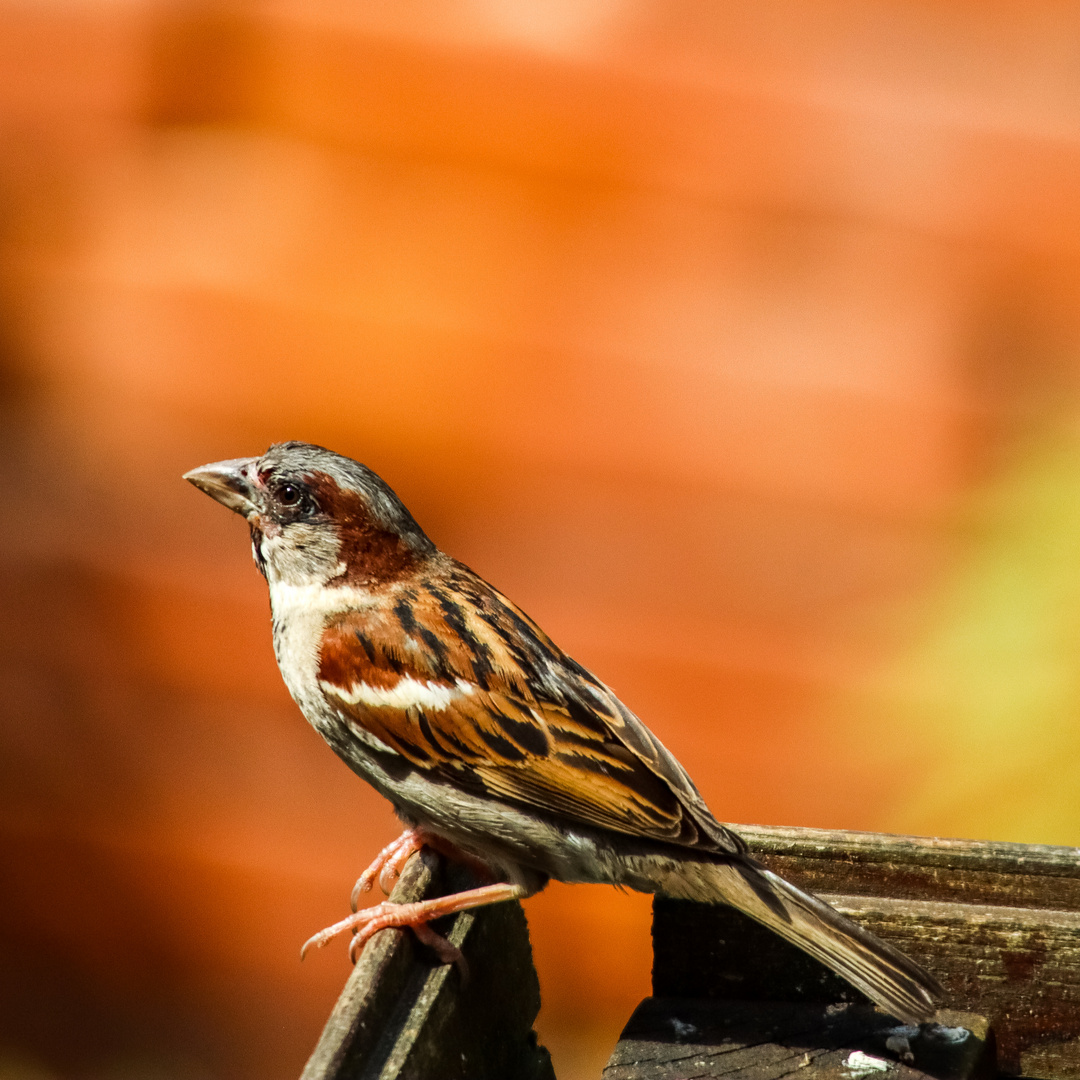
<point x="456" y="679"/>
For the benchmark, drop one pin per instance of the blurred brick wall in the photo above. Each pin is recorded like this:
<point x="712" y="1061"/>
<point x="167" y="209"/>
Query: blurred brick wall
<point x="692" y="326"/>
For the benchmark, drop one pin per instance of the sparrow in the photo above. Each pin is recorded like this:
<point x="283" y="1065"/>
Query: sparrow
<point x="491" y="743"/>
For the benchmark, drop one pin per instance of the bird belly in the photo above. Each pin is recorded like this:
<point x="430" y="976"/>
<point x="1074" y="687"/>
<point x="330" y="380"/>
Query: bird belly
<point x="521" y="846"/>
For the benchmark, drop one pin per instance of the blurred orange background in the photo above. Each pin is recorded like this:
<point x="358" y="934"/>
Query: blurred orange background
<point x="738" y="343"/>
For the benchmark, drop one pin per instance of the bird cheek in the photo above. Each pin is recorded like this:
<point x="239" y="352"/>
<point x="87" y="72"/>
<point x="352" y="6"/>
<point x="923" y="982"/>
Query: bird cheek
<point x="266" y="525"/>
<point x="262" y="529"/>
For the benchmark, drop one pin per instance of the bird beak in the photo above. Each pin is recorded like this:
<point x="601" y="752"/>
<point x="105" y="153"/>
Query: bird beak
<point x="230" y="482"/>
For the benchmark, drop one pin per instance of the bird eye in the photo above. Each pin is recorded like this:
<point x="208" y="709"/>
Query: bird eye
<point x="288" y="494"/>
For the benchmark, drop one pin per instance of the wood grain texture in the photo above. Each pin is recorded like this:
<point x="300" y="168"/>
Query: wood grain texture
<point x="404" y="1016"/>
<point x="998" y="924"/>
<point x="677" y="1038"/>
<point x="920" y="868"/>
<point x="1018" y="966"/>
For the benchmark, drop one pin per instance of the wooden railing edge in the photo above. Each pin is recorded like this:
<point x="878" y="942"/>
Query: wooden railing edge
<point x="999" y="923"/>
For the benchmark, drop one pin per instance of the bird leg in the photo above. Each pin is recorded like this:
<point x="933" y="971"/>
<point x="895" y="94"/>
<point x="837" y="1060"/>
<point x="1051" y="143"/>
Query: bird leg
<point x="443" y="949"/>
<point x="365" y="924"/>
<point x="388" y="864"/>
<point x="386" y="867"/>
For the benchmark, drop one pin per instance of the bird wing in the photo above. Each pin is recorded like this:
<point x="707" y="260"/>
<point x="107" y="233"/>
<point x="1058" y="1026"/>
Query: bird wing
<point x="456" y="679"/>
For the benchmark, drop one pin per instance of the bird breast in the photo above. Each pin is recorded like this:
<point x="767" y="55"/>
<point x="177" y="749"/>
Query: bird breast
<point x="300" y="614"/>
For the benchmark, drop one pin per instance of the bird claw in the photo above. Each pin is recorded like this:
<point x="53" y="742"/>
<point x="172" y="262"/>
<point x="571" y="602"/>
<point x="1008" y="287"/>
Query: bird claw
<point x="392" y="870"/>
<point x="447" y="952"/>
<point x="442" y="947"/>
<point x="387" y="865"/>
<point x="365" y="924"/>
<point x="324" y="936"/>
<point x="363" y="885"/>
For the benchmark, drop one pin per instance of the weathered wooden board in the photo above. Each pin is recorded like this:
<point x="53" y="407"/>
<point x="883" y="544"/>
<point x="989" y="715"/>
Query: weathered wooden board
<point x="1020" y="967"/>
<point x="1008" y="948"/>
<point x="678" y="1038"/>
<point x="404" y="1016"/>
<point x="920" y="868"/>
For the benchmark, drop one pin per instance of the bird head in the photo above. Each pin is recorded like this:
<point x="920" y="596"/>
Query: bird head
<point x="316" y="517"/>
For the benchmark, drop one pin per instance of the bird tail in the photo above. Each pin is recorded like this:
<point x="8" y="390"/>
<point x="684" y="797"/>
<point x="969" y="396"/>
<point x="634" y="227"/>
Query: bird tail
<point x="884" y="974"/>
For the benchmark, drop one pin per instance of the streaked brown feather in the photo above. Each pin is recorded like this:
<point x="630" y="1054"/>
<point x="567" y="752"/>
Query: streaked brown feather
<point x="522" y="722"/>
